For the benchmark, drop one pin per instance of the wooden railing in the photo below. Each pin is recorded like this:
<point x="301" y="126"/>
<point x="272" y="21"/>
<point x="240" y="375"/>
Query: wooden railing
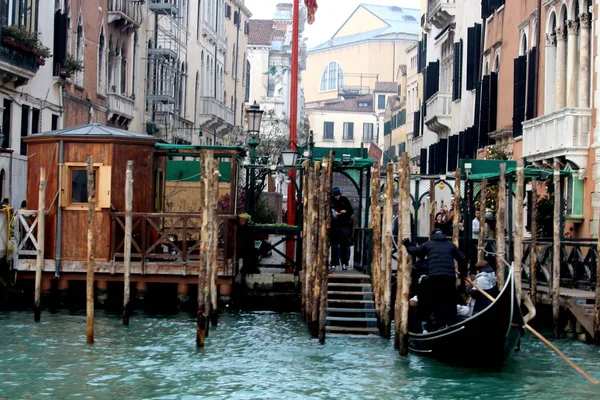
<point x="25" y="234"/>
<point x="172" y="238"/>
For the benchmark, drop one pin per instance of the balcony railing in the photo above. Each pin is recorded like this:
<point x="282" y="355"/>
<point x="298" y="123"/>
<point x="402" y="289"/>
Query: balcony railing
<point x="120" y="105"/>
<point x="18" y="64"/>
<point x="441" y="12"/>
<point x="129" y="12"/>
<point x="210" y="106"/>
<point x="438" y="112"/>
<point x="565" y="132"/>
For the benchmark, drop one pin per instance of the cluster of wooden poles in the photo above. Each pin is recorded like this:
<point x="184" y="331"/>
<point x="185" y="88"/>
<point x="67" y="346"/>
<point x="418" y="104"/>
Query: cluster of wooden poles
<point x="317" y="185"/>
<point x="208" y="231"/>
<point x="383" y="243"/>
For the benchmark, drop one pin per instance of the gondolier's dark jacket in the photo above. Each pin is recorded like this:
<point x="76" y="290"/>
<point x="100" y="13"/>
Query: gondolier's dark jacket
<point x="440" y="253"/>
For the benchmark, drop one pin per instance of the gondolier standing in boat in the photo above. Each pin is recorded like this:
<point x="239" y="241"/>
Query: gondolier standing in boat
<point x="441" y="278"/>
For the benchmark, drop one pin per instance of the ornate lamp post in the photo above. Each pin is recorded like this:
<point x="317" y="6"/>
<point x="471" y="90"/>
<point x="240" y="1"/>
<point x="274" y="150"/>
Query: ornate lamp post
<point x="254" y="115"/>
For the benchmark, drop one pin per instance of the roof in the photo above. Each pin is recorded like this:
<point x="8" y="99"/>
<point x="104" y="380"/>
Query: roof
<point x="399" y="21"/>
<point x="349" y="105"/>
<point x="260" y="32"/>
<point x="490" y="170"/>
<point x="95" y="130"/>
<point x="386" y="87"/>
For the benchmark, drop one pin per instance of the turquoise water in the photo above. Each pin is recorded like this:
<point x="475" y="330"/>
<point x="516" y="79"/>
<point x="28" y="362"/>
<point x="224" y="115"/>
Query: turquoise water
<point x="259" y="355"/>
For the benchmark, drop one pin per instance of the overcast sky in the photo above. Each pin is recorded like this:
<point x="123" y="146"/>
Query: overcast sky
<point x="330" y="15"/>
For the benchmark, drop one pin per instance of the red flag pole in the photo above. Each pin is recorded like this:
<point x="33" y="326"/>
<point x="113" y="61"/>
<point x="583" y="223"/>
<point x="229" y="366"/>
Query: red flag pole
<point x="291" y="192"/>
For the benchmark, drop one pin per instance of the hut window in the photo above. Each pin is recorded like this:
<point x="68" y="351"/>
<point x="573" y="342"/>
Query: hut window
<point x="74" y="187"/>
<point x="79" y="192"/>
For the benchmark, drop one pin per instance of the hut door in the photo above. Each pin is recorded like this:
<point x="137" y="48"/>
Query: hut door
<point x="158" y="190"/>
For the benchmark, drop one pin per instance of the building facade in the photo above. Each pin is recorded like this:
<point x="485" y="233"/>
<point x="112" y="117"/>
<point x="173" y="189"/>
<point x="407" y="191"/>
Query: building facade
<point x="369" y="47"/>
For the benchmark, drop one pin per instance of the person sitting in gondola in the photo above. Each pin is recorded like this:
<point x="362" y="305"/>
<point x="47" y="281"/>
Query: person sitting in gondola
<point x="485" y="280"/>
<point x="441" y="278"/>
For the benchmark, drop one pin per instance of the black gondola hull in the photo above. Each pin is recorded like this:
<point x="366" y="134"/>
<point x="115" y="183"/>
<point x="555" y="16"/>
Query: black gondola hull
<point x="487" y="339"/>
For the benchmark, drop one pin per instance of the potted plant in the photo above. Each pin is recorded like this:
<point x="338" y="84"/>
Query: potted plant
<point x="69" y="66"/>
<point x="244" y="218"/>
<point x="20" y="38"/>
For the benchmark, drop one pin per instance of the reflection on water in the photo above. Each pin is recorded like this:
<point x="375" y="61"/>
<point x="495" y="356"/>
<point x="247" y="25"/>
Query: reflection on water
<point x="259" y="355"/>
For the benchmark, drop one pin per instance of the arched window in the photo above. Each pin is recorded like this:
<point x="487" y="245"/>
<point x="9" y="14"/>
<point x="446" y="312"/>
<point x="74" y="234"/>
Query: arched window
<point x="196" y="93"/>
<point x="102" y="61"/>
<point x="523" y="44"/>
<point x="134" y="62"/>
<point x="80" y="44"/>
<point x="123" y="72"/>
<point x="496" y="68"/>
<point x="333" y="77"/>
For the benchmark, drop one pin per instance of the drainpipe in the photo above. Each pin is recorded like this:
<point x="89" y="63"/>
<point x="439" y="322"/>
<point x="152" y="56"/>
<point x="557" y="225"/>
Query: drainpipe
<point x="58" y="245"/>
<point x="235" y="75"/>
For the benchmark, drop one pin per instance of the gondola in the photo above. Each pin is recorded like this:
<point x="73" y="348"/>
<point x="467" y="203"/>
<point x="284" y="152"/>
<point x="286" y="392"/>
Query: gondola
<point x="485" y="340"/>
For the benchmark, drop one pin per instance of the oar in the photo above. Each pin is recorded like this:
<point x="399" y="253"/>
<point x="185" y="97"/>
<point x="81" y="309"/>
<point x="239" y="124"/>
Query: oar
<point x="543" y="339"/>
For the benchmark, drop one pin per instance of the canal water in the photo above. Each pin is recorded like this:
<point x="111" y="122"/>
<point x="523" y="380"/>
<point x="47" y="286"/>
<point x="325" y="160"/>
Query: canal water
<point x="258" y="355"/>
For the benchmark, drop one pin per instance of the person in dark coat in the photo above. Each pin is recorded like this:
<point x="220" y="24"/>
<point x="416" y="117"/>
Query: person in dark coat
<point x="341" y="229"/>
<point x="441" y="278"/>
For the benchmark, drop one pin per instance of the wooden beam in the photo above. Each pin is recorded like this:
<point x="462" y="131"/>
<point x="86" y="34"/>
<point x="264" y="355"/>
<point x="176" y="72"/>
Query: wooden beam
<point x="91" y="192"/>
<point x="482" y="219"/>
<point x="556" y="251"/>
<point x="127" y="244"/>
<point x="500" y="235"/>
<point x="376" y="275"/>
<point x="533" y="245"/>
<point x="518" y="235"/>
<point x="387" y="249"/>
<point x="39" y="264"/>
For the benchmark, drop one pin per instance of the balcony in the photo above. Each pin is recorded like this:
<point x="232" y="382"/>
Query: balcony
<point x="441" y="12"/>
<point x="214" y="114"/>
<point x="165" y="7"/>
<point x="125" y="13"/>
<point x="563" y="133"/>
<point x="438" y="112"/>
<point x="120" y="109"/>
<point x="17" y="66"/>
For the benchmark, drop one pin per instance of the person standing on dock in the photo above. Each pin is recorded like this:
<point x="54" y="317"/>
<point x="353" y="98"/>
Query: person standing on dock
<point x="340" y="229"/>
<point x="440" y="253"/>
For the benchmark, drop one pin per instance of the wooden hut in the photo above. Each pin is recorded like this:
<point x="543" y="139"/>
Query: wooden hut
<point x="165" y="245"/>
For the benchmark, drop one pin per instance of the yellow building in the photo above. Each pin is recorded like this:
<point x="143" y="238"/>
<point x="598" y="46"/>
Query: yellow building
<point x="369" y="47"/>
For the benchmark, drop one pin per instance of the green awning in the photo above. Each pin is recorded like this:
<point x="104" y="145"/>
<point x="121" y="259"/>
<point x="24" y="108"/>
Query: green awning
<point x="189" y="171"/>
<point x="188" y="149"/>
<point x="490" y="170"/>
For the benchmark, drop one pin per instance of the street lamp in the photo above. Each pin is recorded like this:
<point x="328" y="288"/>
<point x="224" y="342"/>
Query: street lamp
<point x="254" y="117"/>
<point x="289" y="158"/>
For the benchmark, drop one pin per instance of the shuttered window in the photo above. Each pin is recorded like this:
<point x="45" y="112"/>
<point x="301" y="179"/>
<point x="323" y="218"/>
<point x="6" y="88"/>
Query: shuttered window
<point x="422" y="55"/>
<point x="489" y="6"/>
<point x="423" y="162"/>
<point x="520" y="74"/>
<point x="473" y="56"/>
<point x="493" y="101"/>
<point x="432" y="83"/>
<point x="442" y="159"/>
<point x="531" y="83"/>
<point x="484" y="120"/>
<point x="457" y="73"/>
<point x="452" y="153"/>
<point x="328" y="130"/>
<point x="417" y="124"/>
<point x="348" y="131"/>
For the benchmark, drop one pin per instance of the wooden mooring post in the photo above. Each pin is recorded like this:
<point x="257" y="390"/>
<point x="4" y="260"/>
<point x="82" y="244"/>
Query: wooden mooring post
<point x="556" y="251"/>
<point x="214" y="262"/>
<point x="376" y="253"/>
<point x="386" y="249"/>
<point x="39" y="262"/>
<point x="518" y="235"/>
<point x="456" y="207"/>
<point x="482" y="219"/>
<point x="597" y="297"/>
<point x="500" y="234"/>
<point x="432" y="210"/>
<point x="404" y="259"/>
<point x="325" y="238"/>
<point x="305" y="238"/>
<point x="127" y="244"/>
<point x="91" y="194"/>
<point x="533" y="247"/>
<point x="315" y="268"/>
<point x="203" y="306"/>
